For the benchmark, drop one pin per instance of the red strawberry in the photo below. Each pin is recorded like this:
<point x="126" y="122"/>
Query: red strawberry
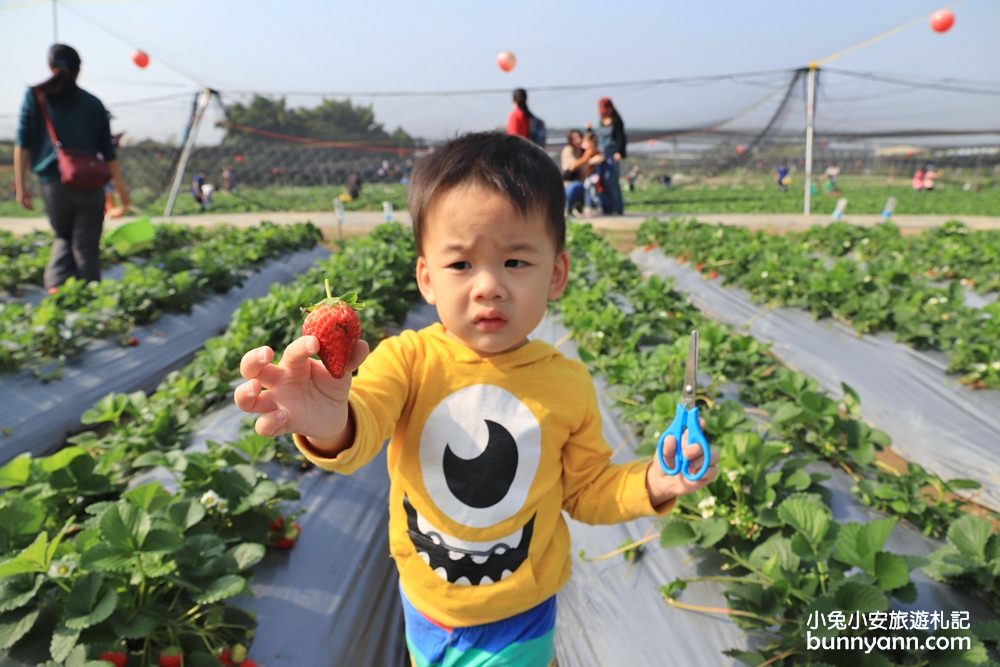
<point x="277" y="524"/>
<point x="291" y="534"/>
<point x="699" y="266"/>
<point x="133" y="341"/>
<point x="334" y="321"/>
<point x="248" y="663"/>
<point x="172" y="656"/>
<point x="712" y="275"/>
<point x="225" y="657"/>
<point x="116" y="658"/>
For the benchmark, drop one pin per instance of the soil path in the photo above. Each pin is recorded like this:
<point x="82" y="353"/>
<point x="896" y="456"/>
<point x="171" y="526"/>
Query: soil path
<point x="361" y="221"/>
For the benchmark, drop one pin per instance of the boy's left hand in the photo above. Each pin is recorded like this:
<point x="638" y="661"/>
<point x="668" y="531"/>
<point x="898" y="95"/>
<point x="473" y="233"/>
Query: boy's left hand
<point x="663" y="487"/>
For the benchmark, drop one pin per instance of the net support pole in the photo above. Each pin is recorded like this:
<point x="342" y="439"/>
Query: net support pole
<point x="810" y="120"/>
<point x="192" y="133"/>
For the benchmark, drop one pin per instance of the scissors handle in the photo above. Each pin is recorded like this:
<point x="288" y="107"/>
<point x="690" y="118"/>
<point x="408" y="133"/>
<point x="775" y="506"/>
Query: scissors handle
<point x="684" y="420"/>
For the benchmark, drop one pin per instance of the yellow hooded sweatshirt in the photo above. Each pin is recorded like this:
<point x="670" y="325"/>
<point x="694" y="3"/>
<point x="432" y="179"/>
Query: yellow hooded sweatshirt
<point x="484" y="454"/>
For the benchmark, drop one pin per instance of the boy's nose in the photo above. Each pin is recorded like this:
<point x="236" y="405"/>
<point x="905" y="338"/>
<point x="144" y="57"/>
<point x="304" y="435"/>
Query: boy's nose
<point x="488" y="286"/>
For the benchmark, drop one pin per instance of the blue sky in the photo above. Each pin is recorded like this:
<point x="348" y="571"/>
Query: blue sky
<point x="394" y="45"/>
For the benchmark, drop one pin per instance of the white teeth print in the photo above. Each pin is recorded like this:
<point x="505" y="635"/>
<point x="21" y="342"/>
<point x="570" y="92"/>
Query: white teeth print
<point x="454" y="555"/>
<point x="500" y="551"/>
<point x="506" y="573"/>
<point x="424" y="557"/>
<point x="441" y="572"/>
<point x="479" y="560"/>
<point x="485" y="580"/>
<point x="441" y="538"/>
<point x="463" y="581"/>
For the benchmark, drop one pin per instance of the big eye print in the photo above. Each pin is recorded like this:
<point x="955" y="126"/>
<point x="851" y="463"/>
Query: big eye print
<point x="486" y="479"/>
<point x="479" y="453"/>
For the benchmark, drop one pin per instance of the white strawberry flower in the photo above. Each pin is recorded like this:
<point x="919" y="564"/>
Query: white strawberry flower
<point x="763" y="274"/>
<point x="210" y="499"/>
<point x="995" y="365"/>
<point x="707" y="507"/>
<point x="62" y="568"/>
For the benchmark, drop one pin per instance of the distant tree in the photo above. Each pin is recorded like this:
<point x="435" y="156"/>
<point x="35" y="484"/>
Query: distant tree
<point x="331" y="120"/>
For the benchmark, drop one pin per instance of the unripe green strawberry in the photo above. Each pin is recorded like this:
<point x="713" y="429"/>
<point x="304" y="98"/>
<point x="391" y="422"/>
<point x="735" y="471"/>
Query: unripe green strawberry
<point x="334" y="321"/>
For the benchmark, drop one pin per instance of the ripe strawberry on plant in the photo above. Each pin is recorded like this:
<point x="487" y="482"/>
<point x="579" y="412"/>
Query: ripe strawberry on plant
<point x="116" y="658"/>
<point x="334" y="321"/>
<point x="288" y="538"/>
<point x="172" y="656"/>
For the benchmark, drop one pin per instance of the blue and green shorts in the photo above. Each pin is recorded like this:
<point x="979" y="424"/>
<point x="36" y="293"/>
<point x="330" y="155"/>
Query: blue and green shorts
<point x="524" y="640"/>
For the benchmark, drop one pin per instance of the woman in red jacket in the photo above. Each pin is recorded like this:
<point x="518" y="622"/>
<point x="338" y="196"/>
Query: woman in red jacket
<point x="519" y="119"/>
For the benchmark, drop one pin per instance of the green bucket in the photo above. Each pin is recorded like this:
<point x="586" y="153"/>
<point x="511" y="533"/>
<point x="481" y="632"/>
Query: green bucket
<point x="132" y="237"/>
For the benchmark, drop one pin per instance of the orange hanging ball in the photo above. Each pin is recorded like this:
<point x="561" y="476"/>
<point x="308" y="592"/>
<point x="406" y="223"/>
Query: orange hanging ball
<point x="942" y="20"/>
<point x="506" y="60"/>
<point x="141" y="59"/>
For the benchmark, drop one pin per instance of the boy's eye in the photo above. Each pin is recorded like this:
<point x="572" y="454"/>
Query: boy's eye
<point x="459" y="266"/>
<point x="515" y="263"/>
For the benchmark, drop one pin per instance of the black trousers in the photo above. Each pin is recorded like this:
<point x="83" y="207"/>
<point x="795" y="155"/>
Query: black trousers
<point x="77" y="218"/>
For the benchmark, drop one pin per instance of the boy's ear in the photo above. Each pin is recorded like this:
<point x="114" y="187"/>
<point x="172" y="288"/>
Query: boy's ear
<point x="424" y="281"/>
<point x="560" y="275"/>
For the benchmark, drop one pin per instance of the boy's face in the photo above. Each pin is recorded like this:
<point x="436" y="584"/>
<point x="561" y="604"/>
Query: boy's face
<point x="488" y="270"/>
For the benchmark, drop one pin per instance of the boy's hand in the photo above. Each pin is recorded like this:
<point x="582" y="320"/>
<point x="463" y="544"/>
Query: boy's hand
<point x="298" y="395"/>
<point x="663" y="487"/>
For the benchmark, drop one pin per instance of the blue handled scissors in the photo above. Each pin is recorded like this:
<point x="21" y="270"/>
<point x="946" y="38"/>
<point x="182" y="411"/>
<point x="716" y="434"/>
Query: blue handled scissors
<point x="686" y="418"/>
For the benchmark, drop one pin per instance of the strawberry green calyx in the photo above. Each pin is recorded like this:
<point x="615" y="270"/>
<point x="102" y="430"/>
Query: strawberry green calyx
<point x="349" y="299"/>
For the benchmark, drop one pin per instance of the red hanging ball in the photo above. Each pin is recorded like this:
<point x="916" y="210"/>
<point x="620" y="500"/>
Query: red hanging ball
<point x="942" y="20"/>
<point x="506" y="60"/>
<point x="141" y="59"/>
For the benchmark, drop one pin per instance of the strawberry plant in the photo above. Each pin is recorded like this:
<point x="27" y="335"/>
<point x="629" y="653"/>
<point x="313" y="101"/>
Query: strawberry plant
<point x="881" y="293"/>
<point x="784" y="557"/>
<point x="152" y="567"/>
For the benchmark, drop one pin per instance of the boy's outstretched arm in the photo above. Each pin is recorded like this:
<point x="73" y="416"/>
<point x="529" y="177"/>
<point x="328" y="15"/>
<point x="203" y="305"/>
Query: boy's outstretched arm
<point x="298" y="394"/>
<point x="663" y="488"/>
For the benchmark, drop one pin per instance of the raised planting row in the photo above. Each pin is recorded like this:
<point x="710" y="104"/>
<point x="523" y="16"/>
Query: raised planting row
<point x="90" y="566"/>
<point x="951" y="252"/>
<point x="866" y="196"/>
<point x="883" y="294"/>
<point x="766" y="517"/>
<point x="44" y="335"/>
<point x="24" y="256"/>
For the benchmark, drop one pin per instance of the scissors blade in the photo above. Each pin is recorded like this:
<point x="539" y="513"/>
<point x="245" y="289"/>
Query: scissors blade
<point x="690" y="392"/>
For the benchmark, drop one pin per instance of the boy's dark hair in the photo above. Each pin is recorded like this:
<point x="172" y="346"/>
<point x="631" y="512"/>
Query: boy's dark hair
<point x="510" y="165"/>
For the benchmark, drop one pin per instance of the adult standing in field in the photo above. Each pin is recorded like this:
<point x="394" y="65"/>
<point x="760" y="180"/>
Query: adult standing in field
<point x="79" y="121"/>
<point x="918" y="179"/>
<point x="611" y="142"/>
<point x="522" y="122"/>
<point x="519" y="118"/>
